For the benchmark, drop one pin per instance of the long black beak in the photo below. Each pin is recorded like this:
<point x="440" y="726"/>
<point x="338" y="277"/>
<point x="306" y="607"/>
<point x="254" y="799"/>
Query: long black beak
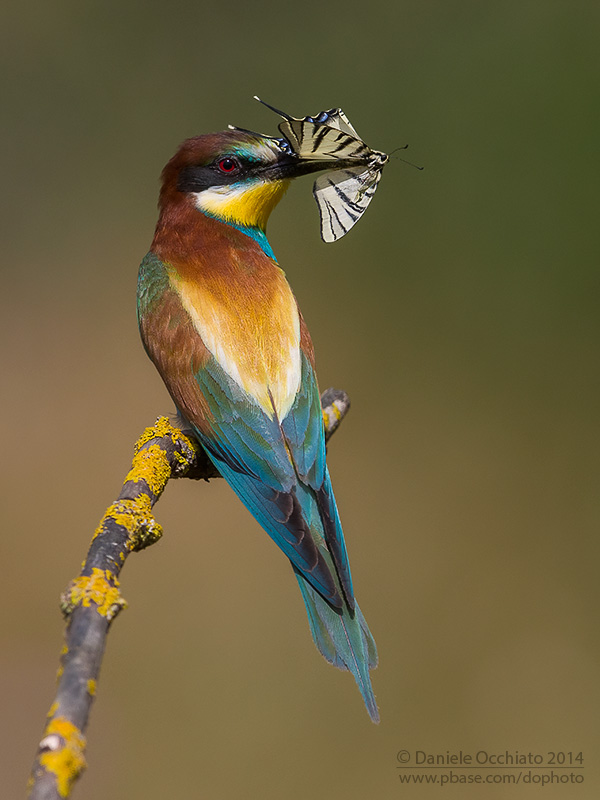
<point x="289" y="165"/>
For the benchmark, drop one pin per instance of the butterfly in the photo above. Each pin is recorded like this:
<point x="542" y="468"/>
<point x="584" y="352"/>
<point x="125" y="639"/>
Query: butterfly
<point x="342" y="194"/>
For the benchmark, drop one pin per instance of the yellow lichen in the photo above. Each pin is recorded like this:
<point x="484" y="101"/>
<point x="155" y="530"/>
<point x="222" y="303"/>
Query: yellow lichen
<point x="67" y="761"/>
<point x="137" y="519"/>
<point x="152" y="466"/>
<point x="52" y="710"/>
<point x="100" y="588"/>
<point x="331" y="411"/>
<point x="91" y="687"/>
<point x="183" y="462"/>
<point x="161" y="428"/>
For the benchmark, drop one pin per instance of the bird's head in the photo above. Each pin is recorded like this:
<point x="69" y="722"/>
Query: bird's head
<point x="235" y="176"/>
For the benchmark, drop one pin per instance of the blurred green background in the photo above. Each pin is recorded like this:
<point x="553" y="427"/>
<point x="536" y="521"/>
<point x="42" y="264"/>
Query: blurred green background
<point x="462" y="317"/>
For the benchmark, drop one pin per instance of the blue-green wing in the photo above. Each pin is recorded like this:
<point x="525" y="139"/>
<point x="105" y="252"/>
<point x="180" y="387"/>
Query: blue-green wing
<point x="304" y="432"/>
<point x="250" y="452"/>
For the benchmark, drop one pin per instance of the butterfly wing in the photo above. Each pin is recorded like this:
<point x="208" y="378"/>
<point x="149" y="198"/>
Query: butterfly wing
<point x="337" y="119"/>
<point x="316" y="141"/>
<point x="343" y="196"/>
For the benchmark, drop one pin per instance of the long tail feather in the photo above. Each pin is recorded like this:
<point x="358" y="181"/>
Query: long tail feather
<point x="343" y="638"/>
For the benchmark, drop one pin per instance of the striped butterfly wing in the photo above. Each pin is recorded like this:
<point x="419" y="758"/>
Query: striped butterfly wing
<point x="343" y="196"/>
<point x="337" y="119"/>
<point x="314" y="141"/>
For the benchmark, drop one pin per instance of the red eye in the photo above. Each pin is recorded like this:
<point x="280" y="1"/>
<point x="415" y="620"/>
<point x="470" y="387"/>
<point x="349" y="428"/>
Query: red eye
<point x="228" y="165"/>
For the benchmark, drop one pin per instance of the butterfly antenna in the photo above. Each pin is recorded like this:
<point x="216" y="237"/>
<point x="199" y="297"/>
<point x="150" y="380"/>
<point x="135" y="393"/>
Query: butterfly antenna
<point x="276" y="110"/>
<point x="410" y="163"/>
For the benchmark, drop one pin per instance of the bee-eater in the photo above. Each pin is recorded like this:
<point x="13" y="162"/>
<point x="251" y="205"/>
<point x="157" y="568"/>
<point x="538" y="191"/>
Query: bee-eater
<point x="221" y="324"/>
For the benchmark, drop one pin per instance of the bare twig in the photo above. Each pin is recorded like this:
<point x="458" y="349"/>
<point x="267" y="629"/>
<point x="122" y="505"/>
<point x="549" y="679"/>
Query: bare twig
<point x="93" y="600"/>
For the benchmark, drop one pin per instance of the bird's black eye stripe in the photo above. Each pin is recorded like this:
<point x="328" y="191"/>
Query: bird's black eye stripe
<point x="223" y="170"/>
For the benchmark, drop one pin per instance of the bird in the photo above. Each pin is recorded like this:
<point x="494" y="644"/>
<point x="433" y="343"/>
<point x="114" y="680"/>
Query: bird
<point x="222" y="326"/>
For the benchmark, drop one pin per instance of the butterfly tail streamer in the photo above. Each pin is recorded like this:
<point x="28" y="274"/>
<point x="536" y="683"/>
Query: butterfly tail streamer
<point x="343" y="638"/>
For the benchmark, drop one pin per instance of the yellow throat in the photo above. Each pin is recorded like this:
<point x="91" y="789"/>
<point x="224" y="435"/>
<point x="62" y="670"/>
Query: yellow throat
<point x="248" y="204"/>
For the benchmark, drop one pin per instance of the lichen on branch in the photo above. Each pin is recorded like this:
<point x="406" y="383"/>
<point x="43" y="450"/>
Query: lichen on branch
<point x="92" y="600"/>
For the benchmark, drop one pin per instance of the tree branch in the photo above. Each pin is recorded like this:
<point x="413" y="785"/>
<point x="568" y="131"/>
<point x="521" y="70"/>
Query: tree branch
<point x="92" y="601"/>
